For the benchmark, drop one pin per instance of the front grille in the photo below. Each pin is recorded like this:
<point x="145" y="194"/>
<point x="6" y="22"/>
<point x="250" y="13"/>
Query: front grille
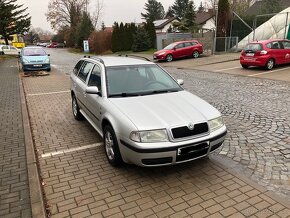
<point x="184" y="131"/>
<point x="157" y="161"/>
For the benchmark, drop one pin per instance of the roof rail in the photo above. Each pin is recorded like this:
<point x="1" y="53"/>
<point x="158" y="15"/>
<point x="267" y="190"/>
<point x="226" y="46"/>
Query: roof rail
<point x="95" y="58"/>
<point x="136" y="56"/>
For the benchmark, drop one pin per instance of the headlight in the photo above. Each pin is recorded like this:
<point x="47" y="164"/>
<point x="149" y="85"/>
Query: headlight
<point x="162" y="53"/>
<point x="215" y="124"/>
<point x="46" y="61"/>
<point x="150" y="136"/>
<point x="25" y="61"/>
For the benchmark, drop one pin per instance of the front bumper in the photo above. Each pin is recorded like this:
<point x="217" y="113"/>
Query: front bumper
<point x="33" y="67"/>
<point x="172" y="152"/>
<point x="159" y="57"/>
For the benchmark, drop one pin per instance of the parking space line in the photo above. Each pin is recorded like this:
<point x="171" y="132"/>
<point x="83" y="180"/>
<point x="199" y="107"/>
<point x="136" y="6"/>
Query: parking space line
<point x="266" y="72"/>
<point x="48" y="93"/>
<point x="227" y="69"/>
<point x="51" y="154"/>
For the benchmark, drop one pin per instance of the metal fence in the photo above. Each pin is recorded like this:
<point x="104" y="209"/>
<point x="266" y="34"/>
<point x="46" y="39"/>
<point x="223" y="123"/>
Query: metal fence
<point x="226" y="44"/>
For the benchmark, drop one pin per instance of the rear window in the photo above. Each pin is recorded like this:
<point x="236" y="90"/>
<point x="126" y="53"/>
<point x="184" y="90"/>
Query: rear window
<point x="254" y="47"/>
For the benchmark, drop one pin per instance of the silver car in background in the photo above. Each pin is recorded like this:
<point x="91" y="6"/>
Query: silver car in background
<point x="144" y="115"/>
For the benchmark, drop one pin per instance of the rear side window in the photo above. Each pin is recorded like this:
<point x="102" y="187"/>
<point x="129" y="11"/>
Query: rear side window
<point x="254" y="47"/>
<point x="77" y="67"/>
<point x="286" y="44"/>
<point x="84" y="71"/>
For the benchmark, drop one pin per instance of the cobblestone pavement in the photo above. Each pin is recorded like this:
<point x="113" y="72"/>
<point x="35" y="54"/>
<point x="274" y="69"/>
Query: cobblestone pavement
<point x="79" y="182"/>
<point x="14" y="188"/>
<point x="257" y="114"/>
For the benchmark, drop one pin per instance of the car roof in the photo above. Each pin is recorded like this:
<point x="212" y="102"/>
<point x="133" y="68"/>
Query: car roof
<point x="267" y="41"/>
<point x="110" y="61"/>
<point x="34" y="47"/>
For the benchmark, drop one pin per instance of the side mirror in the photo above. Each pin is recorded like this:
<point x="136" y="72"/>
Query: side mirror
<point x="48" y="54"/>
<point x="92" y="90"/>
<point x="180" y="82"/>
<point x="174" y="48"/>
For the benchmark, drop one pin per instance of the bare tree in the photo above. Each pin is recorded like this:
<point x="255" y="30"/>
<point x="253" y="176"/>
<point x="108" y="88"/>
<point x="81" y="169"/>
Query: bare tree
<point x="65" y="12"/>
<point x="98" y="12"/>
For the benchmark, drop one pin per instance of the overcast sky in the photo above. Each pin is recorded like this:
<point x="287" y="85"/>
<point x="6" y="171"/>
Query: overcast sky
<point x="114" y="10"/>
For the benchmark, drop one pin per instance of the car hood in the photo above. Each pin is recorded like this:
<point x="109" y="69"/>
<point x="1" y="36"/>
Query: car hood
<point x="165" y="110"/>
<point x="160" y="51"/>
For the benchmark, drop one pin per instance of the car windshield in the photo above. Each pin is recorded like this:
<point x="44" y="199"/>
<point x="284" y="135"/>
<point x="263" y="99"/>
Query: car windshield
<point x="253" y="47"/>
<point x="170" y="46"/>
<point x="33" y="52"/>
<point x="125" y="81"/>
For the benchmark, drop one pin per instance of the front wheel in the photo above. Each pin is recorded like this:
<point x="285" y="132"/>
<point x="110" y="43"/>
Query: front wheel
<point x="195" y="54"/>
<point x="75" y="109"/>
<point x="169" y="58"/>
<point x="111" y="147"/>
<point x="270" y="64"/>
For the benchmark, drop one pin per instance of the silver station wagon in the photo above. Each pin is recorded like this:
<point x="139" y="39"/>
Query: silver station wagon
<point x="144" y="115"/>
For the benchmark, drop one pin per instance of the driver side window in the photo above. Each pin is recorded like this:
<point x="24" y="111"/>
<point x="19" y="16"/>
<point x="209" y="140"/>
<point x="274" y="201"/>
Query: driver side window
<point x="95" y="77"/>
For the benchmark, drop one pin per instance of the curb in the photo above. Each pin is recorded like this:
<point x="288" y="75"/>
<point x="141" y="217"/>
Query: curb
<point x="35" y="190"/>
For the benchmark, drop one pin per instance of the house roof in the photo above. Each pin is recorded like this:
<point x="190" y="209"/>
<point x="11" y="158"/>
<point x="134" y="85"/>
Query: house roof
<point x="256" y="8"/>
<point x="159" y="24"/>
<point x="202" y="17"/>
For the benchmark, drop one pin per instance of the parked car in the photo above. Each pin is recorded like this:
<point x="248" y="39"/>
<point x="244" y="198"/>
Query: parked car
<point x="59" y="45"/>
<point x="144" y="115"/>
<point x="34" y="58"/>
<point x="266" y="53"/>
<point x="8" y="50"/>
<point x="51" y="45"/>
<point x="180" y="49"/>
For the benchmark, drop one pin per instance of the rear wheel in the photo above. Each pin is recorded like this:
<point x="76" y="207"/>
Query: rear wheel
<point x="195" y="54"/>
<point x="169" y="58"/>
<point x="270" y="64"/>
<point x="111" y="147"/>
<point x="245" y="66"/>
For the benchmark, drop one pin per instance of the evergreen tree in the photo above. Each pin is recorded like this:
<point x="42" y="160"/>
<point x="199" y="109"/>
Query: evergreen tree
<point x="271" y="6"/>
<point x="200" y="8"/>
<point x="150" y="29"/>
<point x="84" y="29"/>
<point x="179" y="8"/>
<point x="115" y="36"/>
<point x="141" y="40"/>
<point x="154" y="11"/>
<point x="103" y="27"/>
<point x="122" y="37"/>
<point x="13" y="19"/>
<point x="189" y="16"/>
<point x="169" y="13"/>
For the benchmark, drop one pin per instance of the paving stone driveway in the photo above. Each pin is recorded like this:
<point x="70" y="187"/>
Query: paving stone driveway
<point x="257" y="114"/>
<point x="80" y="183"/>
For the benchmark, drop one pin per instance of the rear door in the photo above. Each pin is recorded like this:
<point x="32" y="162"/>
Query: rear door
<point x="278" y="52"/>
<point x="286" y="45"/>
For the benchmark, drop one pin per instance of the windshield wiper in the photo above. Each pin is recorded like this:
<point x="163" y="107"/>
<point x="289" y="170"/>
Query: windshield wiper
<point x="124" y="94"/>
<point x="162" y="91"/>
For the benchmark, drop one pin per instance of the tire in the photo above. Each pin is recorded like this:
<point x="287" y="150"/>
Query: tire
<point x="169" y="58"/>
<point x="270" y="64"/>
<point x="245" y="66"/>
<point x="48" y="70"/>
<point x="75" y="109"/>
<point x="195" y="54"/>
<point x="1" y="52"/>
<point x="111" y="147"/>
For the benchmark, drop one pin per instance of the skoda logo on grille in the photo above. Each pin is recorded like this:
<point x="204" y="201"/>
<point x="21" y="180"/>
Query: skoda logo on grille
<point x="190" y="126"/>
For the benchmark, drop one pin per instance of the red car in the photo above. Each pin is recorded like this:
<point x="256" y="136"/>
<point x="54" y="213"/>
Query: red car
<point x="179" y="49"/>
<point x="266" y="53"/>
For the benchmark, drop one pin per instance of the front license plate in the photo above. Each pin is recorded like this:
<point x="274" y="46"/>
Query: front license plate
<point x="250" y="59"/>
<point x="37" y="65"/>
<point x="192" y="148"/>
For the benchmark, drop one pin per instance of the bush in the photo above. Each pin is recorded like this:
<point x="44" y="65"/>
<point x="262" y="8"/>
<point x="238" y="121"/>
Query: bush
<point x="100" y="42"/>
